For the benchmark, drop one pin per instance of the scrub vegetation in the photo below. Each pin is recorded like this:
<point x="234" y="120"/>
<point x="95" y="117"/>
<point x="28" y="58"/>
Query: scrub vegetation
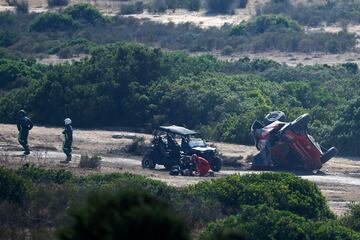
<point x="54" y="203"/>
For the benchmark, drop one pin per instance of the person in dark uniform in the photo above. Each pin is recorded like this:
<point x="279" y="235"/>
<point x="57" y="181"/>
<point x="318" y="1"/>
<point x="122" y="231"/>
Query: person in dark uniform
<point x="24" y="125"/>
<point x="68" y="139"/>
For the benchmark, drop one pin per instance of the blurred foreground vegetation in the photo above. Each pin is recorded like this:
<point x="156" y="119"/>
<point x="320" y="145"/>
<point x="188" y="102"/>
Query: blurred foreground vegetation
<point x="45" y="203"/>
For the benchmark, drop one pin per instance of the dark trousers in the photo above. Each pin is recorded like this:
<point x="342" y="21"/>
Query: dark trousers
<point x="23" y="140"/>
<point x="67" y="150"/>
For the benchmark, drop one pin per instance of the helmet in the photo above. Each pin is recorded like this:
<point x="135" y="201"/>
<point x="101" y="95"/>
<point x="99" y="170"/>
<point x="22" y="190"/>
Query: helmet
<point x="22" y="112"/>
<point x="67" y="121"/>
<point x="193" y="156"/>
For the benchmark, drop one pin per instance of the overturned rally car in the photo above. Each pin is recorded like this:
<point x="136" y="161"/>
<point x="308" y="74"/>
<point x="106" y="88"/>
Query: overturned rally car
<point x="287" y="144"/>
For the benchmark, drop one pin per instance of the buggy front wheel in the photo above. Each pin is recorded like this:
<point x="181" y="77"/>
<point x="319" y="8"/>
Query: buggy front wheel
<point x="147" y="162"/>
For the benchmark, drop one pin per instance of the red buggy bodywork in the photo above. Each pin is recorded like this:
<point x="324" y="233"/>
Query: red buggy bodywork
<point x="288" y="145"/>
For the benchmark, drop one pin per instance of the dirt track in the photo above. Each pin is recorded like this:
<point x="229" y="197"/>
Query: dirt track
<point x="339" y="179"/>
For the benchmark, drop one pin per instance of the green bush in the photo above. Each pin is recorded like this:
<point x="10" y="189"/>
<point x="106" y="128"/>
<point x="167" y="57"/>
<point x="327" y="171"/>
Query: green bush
<point x="7" y="38"/>
<point x="221" y="6"/>
<point x="242" y="3"/>
<point x="333" y="231"/>
<point x="126" y="215"/>
<point x="264" y="223"/>
<point x="7" y="18"/>
<point x="281" y="191"/>
<point x="351" y="219"/>
<point x="157" y="6"/>
<point x="39" y="175"/>
<point x="260" y="223"/>
<point x="132" y="8"/>
<point x="266" y="23"/>
<point x="193" y="5"/>
<point x="85" y="12"/>
<point x="13" y="188"/>
<point x="53" y="22"/>
<point x="345" y="131"/>
<point x="228" y="50"/>
<point x="56" y="3"/>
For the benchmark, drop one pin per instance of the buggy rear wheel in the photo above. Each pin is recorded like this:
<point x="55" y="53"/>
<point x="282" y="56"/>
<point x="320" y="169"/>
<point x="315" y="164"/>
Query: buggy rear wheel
<point x="147" y="162"/>
<point x="216" y="164"/>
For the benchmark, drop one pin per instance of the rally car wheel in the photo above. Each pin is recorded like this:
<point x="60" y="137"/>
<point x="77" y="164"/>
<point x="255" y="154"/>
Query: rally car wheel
<point x="301" y="122"/>
<point x="147" y="162"/>
<point x="329" y="154"/>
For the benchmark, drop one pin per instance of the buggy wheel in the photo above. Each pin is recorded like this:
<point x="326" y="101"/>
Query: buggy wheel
<point x="329" y="154"/>
<point x="147" y="162"/>
<point x="216" y="164"/>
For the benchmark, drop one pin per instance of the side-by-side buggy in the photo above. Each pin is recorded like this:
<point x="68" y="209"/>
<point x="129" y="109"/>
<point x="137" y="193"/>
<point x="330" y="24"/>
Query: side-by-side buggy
<point x="171" y="143"/>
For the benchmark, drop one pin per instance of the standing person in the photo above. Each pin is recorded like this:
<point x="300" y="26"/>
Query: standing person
<point x="202" y="166"/>
<point x="68" y="138"/>
<point x="24" y="125"/>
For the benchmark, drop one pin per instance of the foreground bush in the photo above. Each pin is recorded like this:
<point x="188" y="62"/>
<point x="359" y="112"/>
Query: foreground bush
<point x="264" y="223"/>
<point x="125" y="215"/>
<point x="13" y="188"/>
<point x="352" y="218"/>
<point x="281" y="191"/>
<point x="39" y="175"/>
<point x="260" y="223"/>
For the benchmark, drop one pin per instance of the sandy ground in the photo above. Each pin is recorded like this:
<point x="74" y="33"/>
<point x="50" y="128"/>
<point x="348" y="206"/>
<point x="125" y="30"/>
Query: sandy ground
<point x="339" y="179"/>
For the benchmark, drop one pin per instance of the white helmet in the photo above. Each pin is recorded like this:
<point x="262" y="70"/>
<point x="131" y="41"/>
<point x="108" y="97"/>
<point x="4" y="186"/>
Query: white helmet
<point x="67" y="121"/>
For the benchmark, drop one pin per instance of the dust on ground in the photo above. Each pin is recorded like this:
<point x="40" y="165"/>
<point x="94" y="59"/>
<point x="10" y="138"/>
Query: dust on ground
<point x="339" y="179"/>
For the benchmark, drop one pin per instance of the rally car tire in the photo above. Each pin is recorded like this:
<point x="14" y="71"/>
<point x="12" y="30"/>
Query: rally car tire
<point x="330" y="153"/>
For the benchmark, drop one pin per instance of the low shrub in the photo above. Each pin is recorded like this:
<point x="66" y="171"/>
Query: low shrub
<point x="265" y="23"/>
<point x="85" y="12"/>
<point x="281" y="191"/>
<point x="242" y="3"/>
<point x="13" y="188"/>
<point x="126" y="215"/>
<point x="157" y="6"/>
<point x="90" y="162"/>
<point x="39" y="175"/>
<point x="57" y="3"/>
<point x="132" y="8"/>
<point x="7" y="18"/>
<point x="221" y="6"/>
<point x="228" y="50"/>
<point x="7" y="38"/>
<point x="53" y="22"/>
<point x="138" y="146"/>
<point x="352" y="218"/>
<point x="259" y="223"/>
<point x="193" y="5"/>
<point x="21" y="5"/>
<point x="332" y="230"/>
<point x="264" y="223"/>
